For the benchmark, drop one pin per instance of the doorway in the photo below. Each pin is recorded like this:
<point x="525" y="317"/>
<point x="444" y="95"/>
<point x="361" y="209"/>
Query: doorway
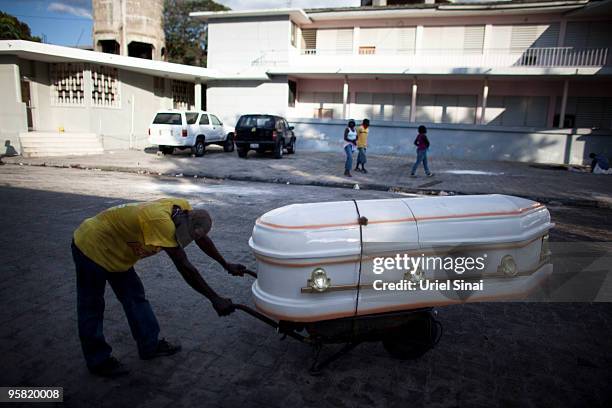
<point x="27" y="99"/>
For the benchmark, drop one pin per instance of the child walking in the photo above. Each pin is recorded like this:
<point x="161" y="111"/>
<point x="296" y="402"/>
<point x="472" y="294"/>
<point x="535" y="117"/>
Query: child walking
<point x="350" y="141"/>
<point x="362" y="144"/>
<point x="422" y="144"/>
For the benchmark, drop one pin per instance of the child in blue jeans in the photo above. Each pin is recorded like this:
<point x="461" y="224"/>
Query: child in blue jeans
<point x="422" y="144"/>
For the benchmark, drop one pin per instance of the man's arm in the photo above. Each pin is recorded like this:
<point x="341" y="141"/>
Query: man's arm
<point x="193" y="278"/>
<point x="208" y="246"/>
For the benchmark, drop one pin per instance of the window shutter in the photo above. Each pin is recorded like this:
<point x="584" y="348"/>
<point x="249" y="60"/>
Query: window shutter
<point x="309" y="37"/>
<point x="530" y="35"/>
<point x="344" y="41"/>
<point x="473" y="39"/>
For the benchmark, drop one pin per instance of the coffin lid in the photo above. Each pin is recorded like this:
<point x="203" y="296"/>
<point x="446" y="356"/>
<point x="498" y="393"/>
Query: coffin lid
<point x="331" y="229"/>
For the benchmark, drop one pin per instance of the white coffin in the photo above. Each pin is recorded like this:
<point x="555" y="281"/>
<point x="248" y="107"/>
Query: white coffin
<point x="290" y="242"/>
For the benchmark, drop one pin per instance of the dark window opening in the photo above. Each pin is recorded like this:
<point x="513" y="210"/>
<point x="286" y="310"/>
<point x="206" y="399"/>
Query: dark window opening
<point x="292" y="93"/>
<point x="140" y="50"/>
<point x="109" y="46"/>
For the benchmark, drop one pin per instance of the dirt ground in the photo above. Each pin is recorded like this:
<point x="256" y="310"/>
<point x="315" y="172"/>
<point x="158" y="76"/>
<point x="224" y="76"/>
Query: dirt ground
<point x="508" y="354"/>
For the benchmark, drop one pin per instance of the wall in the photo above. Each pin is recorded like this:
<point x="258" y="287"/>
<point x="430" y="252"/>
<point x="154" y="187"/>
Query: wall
<point x="230" y="99"/>
<point x="236" y="43"/>
<point x="113" y="125"/>
<point x="12" y="111"/>
<point x="470" y="142"/>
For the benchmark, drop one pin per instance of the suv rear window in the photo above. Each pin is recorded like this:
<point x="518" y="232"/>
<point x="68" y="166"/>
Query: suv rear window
<point x="168" y="119"/>
<point x="192" y="117"/>
<point x="265" y="122"/>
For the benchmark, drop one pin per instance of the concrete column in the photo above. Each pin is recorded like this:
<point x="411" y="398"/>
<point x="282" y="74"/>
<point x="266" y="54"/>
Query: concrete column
<point x="563" y="104"/>
<point x="418" y="39"/>
<point x="413" y="101"/>
<point x="488" y="36"/>
<point x="550" y="116"/>
<point x="123" y="47"/>
<point x="197" y="89"/>
<point x="562" y="30"/>
<point x="345" y="94"/>
<point x="485" y="96"/>
<point x="356" y="32"/>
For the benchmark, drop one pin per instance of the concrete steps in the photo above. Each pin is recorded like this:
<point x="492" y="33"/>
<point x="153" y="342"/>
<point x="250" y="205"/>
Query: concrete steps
<point x="44" y="144"/>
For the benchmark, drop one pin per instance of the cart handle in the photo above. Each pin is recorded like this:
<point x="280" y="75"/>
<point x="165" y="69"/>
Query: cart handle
<point x="268" y="321"/>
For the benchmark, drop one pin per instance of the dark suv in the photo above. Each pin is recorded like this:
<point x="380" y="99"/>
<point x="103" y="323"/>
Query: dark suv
<point x="264" y="133"/>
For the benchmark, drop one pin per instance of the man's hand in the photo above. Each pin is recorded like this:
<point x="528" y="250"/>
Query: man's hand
<point x="235" y="269"/>
<point x="223" y="306"/>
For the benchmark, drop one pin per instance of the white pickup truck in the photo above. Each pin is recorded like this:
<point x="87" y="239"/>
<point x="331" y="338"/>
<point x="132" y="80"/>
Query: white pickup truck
<point x="189" y="130"/>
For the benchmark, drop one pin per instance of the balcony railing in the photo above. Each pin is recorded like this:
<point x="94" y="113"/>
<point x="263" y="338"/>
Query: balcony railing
<point x="530" y="57"/>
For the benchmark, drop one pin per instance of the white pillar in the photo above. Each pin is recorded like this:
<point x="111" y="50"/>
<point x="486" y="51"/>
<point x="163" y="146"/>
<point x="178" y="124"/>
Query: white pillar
<point x="356" y="32"/>
<point x="123" y="47"/>
<point x="345" y="94"/>
<point x="485" y="96"/>
<point x="418" y="39"/>
<point x="562" y="30"/>
<point x="563" y="104"/>
<point x="413" y="101"/>
<point x="197" y="89"/>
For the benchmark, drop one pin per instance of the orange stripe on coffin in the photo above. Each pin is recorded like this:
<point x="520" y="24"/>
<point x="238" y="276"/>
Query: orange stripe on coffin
<point x="520" y="211"/>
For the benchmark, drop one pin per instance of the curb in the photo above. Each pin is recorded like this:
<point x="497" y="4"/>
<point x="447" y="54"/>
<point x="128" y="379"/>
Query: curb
<point x="554" y="201"/>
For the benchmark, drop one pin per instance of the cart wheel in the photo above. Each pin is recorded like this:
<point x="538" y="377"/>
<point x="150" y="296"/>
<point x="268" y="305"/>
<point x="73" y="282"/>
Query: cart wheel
<point x="413" y="339"/>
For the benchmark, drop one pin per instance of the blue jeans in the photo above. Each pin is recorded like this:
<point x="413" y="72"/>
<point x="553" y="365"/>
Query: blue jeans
<point x="91" y="283"/>
<point x="421" y="157"/>
<point x="361" y="156"/>
<point x="348" y="149"/>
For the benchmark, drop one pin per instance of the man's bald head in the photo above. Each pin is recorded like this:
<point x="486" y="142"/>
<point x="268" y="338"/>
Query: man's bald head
<point x="200" y="223"/>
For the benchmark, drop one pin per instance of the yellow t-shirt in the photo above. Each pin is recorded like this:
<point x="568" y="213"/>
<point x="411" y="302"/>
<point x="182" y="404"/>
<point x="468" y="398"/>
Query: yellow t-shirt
<point x="118" y="237"/>
<point x="362" y="136"/>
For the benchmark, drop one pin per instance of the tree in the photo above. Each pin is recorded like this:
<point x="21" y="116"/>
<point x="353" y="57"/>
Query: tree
<point x="186" y="37"/>
<point x="13" y="29"/>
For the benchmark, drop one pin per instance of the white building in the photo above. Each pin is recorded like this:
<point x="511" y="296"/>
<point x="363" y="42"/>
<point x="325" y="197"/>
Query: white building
<point x="60" y="100"/>
<point x="526" y="81"/>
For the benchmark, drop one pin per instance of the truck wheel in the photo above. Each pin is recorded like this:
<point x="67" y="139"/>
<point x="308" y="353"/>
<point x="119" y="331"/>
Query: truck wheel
<point x="413" y="339"/>
<point x="200" y="147"/>
<point x="242" y="152"/>
<point x="166" y="149"/>
<point x="278" y="151"/>
<point x="291" y="147"/>
<point x="228" y="146"/>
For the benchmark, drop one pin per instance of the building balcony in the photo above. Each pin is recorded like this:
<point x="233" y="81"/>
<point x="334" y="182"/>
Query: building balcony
<point x="371" y="57"/>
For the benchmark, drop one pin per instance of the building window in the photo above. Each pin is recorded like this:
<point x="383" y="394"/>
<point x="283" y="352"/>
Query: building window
<point x="531" y="111"/>
<point x="159" y="86"/>
<point x="446" y="108"/>
<point x="294" y="34"/>
<point x="322" y="105"/>
<point x="589" y="111"/>
<point x="292" y="93"/>
<point x="382" y="106"/>
<point x="67" y="85"/>
<point x="309" y="40"/>
<point x="182" y="95"/>
<point x="367" y="50"/>
<point x="105" y="87"/>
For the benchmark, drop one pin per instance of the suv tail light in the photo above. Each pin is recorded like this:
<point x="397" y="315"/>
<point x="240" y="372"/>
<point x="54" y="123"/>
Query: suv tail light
<point x="184" y="133"/>
<point x="274" y="135"/>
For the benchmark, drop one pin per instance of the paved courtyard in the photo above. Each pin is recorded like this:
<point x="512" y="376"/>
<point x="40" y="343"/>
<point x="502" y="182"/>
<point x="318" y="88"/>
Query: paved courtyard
<point x="543" y="183"/>
<point x="504" y="354"/>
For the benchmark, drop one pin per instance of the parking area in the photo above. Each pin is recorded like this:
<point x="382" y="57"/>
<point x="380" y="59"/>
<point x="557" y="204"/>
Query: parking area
<point x="491" y="353"/>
